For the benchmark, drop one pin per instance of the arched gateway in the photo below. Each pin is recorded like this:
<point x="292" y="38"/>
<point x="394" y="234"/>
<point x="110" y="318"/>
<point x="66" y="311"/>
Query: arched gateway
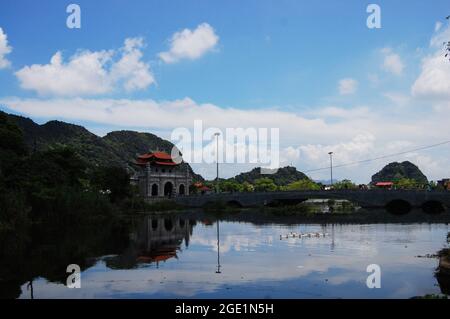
<point x="159" y="176"/>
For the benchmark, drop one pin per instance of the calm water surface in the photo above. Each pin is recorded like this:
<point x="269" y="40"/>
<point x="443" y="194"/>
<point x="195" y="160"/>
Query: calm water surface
<point x="179" y="257"/>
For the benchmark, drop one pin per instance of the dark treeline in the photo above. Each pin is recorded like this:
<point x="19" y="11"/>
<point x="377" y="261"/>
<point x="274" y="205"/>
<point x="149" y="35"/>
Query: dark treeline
<point x="55" y="183"/>
<point x="55" y="210"/>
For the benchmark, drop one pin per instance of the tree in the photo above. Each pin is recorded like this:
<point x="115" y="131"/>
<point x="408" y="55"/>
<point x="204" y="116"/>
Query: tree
<point x="302" y="185"/>
<point x="247" y="187"/>
<point x="12" y="148"/>
<point x="406" y="183"/>
<point x="447" y="50"/>
<point x="113" y="180"/>
<point x="344" y="184"/>
<point x="265" y="185"/>
<point x="230" y="186"/>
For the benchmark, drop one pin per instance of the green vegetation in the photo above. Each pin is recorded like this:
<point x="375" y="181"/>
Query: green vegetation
<point x="265" y="185"/>
<point x="407" y="183"/>
<point x="281" y="177"/>
<point x="302" y="185"/>
<point x="54" y="184"/>
<point x="345" y="184"/>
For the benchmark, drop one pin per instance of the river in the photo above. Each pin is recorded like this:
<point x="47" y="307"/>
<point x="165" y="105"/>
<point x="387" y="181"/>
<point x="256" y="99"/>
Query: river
<point x="179" y="256"/>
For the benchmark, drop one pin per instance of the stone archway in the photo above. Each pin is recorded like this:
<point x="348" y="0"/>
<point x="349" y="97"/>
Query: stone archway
<point x="182" y="190"/>
<point x="155" y="190"/>
<point x="168" y="189"/>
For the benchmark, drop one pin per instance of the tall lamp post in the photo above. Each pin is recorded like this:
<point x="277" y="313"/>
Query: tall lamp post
<point x="331" y="167"/>
<point x="217" y="161"/>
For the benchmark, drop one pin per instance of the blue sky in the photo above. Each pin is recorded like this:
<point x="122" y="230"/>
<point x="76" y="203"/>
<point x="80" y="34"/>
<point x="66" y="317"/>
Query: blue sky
<point x="317" y="63"/>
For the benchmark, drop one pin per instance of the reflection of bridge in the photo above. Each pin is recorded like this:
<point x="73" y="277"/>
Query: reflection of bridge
<point x="363" y="198"/>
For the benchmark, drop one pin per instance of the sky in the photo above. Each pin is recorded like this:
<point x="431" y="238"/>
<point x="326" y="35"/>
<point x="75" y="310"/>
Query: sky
<point x="313" y="70"/>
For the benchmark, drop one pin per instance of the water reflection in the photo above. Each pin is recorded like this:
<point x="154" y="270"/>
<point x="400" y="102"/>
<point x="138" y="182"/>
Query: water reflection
<point x="154" y="240"/>
<point x="200" y="255"/>
<point x="218" y="247"/>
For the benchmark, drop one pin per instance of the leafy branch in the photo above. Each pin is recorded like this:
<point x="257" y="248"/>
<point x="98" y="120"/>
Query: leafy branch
<point x="447" y="45"/>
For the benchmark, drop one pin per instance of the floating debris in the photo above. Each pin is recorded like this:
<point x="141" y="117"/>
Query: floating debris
<point x="303" y="235"/>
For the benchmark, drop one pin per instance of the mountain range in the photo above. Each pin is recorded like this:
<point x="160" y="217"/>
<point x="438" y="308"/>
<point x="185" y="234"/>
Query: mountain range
<point x="120" y="148"/>
<point x="117" y="148"/>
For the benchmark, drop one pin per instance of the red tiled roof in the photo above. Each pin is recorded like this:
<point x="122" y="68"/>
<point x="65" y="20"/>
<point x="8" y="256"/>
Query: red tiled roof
<point x="140" y="162"/>
<point x="145" y="156"/>
<point x="384" y="184"/>
<point x="162" y="155"/>
<point x="166" y="163"/>
<point x="157" y="155"/>
<point x="160" y="158"/>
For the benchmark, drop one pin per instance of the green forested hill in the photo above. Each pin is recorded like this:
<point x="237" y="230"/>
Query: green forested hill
<point x="282" y="177"/>
<point x="396" y="171"/>
<point x="116" y="148"/>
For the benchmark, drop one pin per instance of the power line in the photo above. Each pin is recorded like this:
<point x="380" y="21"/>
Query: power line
<point x="380" y="157"/>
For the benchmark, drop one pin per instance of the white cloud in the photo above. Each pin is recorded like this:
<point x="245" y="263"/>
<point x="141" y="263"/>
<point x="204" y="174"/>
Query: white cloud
<point x="188" y="44"/>
<point x="392" y="62"/>
<point x="338" y="112"/>
<point x="89" y="73"/>
<point x="437" y="26"/>
<point x="398" y="98"/>
<point x="434" y="79"/>
<point x="347" y="86"/>
<point x="5" y="49"/>
<point x="135" y="73"/>
<point x="345" y="152"/>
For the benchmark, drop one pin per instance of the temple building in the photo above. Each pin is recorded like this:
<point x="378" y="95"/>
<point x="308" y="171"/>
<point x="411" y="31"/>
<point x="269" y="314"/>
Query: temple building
<point x="160" y="176"/>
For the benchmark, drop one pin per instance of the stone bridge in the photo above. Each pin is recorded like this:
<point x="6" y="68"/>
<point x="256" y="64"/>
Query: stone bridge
<point x="362" y="198"/>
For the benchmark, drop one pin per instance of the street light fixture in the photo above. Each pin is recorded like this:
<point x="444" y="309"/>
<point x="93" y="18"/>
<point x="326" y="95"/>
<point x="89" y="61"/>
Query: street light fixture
<point x="331" y="167"/>
<point x="217" y="161"/>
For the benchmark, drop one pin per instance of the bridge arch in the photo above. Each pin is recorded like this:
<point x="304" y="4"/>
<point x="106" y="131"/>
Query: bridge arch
<point x="398" y="207"/>
<point x="234" y="203"/>
<point x="433" y="207"/>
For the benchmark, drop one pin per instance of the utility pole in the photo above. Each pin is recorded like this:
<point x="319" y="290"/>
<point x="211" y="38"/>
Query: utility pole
<point x="331" y="167"/>
<point x="217" y="161"/>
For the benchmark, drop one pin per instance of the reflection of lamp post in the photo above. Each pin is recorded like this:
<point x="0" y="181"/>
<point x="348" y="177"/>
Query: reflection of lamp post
<point x="217" y="160"/>
<point x="331" y="167"/>
<point x="218" y="250"/>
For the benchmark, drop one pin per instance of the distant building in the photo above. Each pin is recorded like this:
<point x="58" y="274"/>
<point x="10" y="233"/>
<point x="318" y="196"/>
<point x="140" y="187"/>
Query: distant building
<point x="445" y="183"/>
<point x="384" y="185"/>
<point x="160" y="176"/>
<point x="202" y="189"/>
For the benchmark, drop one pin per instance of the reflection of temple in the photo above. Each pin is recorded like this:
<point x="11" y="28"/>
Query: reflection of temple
<point x="162" y="237"/>
<point x="155" y="240"/>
